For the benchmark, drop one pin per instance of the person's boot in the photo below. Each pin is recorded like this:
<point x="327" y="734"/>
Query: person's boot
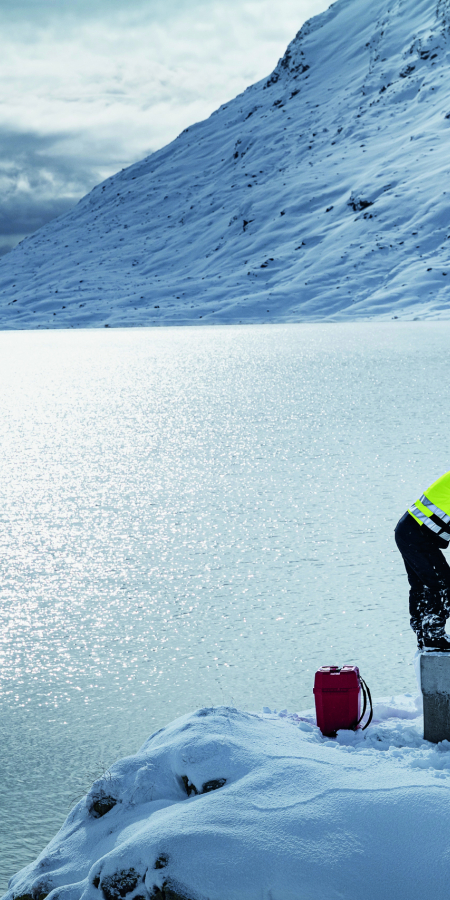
<point x="438" y="643"/>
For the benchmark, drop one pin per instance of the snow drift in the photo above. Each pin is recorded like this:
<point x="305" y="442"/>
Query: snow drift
<point x="229" y="805"/>
<point x="319" y="193"/>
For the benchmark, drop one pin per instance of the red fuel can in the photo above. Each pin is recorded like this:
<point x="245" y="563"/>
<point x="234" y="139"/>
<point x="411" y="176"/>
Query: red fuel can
<point x="337" y="693"/>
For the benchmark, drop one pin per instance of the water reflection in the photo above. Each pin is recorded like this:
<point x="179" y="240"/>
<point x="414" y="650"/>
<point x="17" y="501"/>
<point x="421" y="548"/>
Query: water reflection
<point x="192" y="517"/>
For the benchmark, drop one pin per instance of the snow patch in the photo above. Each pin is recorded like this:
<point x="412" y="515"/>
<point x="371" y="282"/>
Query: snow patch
<point x="229" y="804"/>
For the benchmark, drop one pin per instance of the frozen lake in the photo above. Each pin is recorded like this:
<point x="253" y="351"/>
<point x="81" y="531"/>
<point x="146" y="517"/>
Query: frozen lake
<point x="192" y="517"/>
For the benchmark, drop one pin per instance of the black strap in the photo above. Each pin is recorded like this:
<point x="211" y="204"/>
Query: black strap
<point x="366" y="694"/>
<point x="443" y="526"/>
<point x="365" y="702"/>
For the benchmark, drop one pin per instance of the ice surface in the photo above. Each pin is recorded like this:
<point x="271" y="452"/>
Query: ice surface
<point x="319" y="193"/>
<point x="229" y="805"/>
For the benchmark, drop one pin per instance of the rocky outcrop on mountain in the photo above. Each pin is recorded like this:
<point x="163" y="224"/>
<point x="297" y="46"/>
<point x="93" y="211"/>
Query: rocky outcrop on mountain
<point x="319" y="193"/>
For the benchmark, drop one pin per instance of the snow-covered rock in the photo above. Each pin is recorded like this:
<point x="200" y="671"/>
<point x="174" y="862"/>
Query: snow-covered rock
<point x="229" y="805"/>
<point x="319" y="193"/>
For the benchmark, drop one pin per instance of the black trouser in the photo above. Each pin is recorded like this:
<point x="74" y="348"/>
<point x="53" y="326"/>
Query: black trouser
<point x="428" y="575"/>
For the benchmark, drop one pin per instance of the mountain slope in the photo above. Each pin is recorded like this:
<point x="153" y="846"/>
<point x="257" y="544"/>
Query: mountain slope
<point x="319" y="193"/>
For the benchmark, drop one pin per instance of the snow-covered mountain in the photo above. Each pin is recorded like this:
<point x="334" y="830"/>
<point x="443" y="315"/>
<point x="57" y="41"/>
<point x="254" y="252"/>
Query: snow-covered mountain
<point x="322" y="192"/>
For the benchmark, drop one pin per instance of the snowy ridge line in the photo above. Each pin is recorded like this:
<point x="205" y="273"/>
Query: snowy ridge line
<point x="228" y="804"/>
<point x="317" y="194"/>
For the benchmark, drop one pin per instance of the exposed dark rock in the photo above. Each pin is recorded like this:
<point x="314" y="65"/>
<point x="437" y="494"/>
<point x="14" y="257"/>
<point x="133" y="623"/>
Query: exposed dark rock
<point x="117" y="886"/>
<point x="188" y="786"/>
<point x="407" y="71"/>
<point x="96" y="881"/>
<point x="168" y="891"/>
<point x="162" y="861"/>
<point x="208" y="786"/>
<point x="272" y="80"/>
<point x="286" y="61"/>
<point x="236" y="151"/>
<point x="213" y="785"/>
<point x="101" y="805"/>
<point x="38" y="892"/>
<point x="357" y="203"/>
<point x="41" y="889"/>
<point x="170" y="894"/>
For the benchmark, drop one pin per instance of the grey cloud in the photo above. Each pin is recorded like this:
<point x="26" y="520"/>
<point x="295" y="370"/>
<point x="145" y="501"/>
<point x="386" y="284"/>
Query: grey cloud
<point x="26" y="214"/>
<point x="27" y="149"/>
<point x="37" y="183"/>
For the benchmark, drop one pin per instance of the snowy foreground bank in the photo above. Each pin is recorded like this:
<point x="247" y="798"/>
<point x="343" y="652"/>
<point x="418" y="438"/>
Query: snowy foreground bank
<point x="224" y="804"/>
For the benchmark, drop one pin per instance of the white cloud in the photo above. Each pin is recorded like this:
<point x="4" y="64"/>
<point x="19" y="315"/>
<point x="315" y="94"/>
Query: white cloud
<point x="106" y="83"/>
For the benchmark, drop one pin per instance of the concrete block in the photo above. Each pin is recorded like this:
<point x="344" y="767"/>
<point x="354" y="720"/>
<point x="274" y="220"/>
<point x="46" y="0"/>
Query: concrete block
<point x="435" y="681"/>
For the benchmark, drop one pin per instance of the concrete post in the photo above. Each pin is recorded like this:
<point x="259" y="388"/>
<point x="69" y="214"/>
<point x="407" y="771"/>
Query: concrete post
<point x="435" y="682"/>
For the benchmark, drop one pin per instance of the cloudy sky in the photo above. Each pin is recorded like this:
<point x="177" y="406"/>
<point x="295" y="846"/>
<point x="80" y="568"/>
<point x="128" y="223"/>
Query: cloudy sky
<point x="90" y="86"/>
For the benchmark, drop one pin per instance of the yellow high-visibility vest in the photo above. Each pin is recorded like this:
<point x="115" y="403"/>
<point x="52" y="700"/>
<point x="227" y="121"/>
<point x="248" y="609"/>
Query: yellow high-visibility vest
<point x="433" y="508"/>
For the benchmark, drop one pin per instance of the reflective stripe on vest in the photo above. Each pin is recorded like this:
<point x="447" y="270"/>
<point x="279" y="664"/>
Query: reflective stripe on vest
<point x="436" y="519"/>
